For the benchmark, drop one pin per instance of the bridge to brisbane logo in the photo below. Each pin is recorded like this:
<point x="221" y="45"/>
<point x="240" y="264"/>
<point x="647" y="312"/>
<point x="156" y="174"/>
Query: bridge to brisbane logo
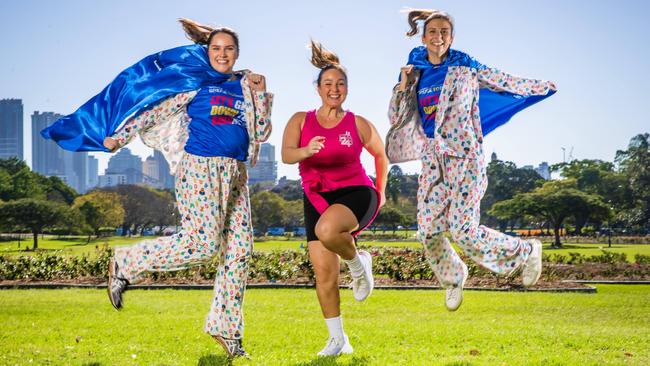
<point x="345" y="139"/>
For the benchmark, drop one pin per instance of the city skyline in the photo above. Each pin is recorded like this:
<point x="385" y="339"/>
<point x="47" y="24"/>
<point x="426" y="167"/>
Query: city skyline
<point x="560" y="41"/>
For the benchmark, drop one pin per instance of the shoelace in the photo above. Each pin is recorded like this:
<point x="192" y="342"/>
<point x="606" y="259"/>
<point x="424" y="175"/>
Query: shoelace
<point x="331" y="344"/>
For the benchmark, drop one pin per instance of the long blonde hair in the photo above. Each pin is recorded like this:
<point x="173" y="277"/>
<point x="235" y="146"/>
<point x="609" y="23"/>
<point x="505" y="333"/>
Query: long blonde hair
<point x="325" y="59"/>
<point x="427" y="15"/>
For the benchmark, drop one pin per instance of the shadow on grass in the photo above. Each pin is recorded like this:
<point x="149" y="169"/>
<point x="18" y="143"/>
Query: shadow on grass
<point x="92" y="364"/>
<point x="214" y="360"/>
<point x="333" y="361"/>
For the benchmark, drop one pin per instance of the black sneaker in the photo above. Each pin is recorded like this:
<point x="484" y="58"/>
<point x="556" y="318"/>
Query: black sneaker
<point x="116" y="285"/>
<point x="233" y="347"/>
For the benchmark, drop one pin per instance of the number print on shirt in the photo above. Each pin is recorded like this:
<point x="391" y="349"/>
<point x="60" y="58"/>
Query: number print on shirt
<point x="346" y="139"/>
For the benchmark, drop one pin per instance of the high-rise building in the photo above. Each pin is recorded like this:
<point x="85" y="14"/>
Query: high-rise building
<point x="110" y="180"/>
<point x="49" y="159"/>
<point x="165" y="176"/>
<point x="544" y="170"/>
<point x="156" y="171"/>
<point x="80" y="169"/>
<point x="124" y="162"/>
<point x="93" y="172"/>
<point x="266" y="169"/>
<point x="47" y="156"/>
<point x="11" y="128"/>
<point x="76" y="169"/>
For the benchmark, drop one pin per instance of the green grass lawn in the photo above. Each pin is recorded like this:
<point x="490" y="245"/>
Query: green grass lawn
<point x="71" y="245"/>
<point x="596" y="249"/>
<point x="78" y="246"/>
<point x="284" y="327"/>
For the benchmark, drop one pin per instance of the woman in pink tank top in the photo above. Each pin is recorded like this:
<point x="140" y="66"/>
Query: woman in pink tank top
<point x="340" y="199"/>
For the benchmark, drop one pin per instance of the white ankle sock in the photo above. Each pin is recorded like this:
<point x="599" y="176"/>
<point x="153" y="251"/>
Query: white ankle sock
<point x="355" y="266"/>
<point x="335" y="327"/>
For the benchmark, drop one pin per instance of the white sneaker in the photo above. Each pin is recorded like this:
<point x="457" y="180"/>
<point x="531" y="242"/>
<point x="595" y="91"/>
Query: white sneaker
<point x="362" y="286"/>
<point x="532" y="267"/>
<point x="336" y="346"/>
<point x="454" y="295"/>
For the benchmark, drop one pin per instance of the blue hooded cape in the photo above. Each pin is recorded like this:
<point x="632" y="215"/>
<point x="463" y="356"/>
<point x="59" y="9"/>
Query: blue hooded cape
<point x="142" y="85"/>
<point x="496" y="108"/>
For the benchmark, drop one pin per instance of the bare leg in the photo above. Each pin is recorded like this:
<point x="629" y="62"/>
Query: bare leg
<point x="326" y="267"/>
<point x="334" y="228"/>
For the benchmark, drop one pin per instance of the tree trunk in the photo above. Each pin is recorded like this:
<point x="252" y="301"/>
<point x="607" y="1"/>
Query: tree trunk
<point x="556" y="230"/>
<point x="35" y="240"/>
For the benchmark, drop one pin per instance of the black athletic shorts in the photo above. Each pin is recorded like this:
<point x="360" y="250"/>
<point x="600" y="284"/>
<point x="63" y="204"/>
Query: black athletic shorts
<point x="361" y="200"/>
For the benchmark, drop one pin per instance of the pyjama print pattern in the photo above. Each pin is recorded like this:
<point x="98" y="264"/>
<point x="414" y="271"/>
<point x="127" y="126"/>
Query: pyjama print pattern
<point x="212" y="196"/>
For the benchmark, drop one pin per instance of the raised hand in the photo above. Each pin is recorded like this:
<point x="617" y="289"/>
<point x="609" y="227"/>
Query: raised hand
<point x="406" y="77"/>
<point x="257" y="82"/>
<point x="110" y="143"/>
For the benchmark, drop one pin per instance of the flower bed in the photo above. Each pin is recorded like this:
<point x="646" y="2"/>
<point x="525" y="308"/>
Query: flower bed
<point x="391" y="266"/>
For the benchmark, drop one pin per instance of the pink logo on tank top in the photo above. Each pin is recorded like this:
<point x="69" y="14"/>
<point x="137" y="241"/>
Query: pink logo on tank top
<point x="346" y="139"/>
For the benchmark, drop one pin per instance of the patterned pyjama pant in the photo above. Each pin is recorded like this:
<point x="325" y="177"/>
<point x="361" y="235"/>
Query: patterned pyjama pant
<point x="213" y="202"/>
<point x="449" y="198"/>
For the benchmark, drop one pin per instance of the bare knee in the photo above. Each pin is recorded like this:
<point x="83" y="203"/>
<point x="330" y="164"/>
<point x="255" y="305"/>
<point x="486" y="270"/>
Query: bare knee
<point x="326" y="232"/>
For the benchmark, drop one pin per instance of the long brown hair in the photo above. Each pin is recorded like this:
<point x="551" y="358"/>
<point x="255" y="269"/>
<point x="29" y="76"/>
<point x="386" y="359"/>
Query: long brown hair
<point x="427" y="15"/>
<point x="202" y="34"/>
<point x="325" y="59"/>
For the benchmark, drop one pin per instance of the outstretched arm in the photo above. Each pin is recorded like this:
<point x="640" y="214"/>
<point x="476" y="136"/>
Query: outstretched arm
<point x="497" y="80"/>
<point x="375" y="146"/>
<point x="147" y="119"/>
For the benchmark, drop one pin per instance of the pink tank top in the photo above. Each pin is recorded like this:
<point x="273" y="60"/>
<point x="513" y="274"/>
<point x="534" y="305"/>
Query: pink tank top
<point x="335" y="166"/>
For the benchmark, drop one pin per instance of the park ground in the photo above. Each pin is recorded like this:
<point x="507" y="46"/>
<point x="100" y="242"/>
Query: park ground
<point x="80" y="246"/>
<point x="284" y="327"/>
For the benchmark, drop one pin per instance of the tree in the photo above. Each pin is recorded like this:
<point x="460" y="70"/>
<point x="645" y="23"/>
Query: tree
<point x="100" y="209"/>
<point x="598" y="177"/>
<point x="288" y="189"/>
<point x="144" y="207"/>
<point x="268" y="210"/>
<point x="35" y="215"/>
<point x="507" y="214"/>
<point x="164" y="211"/>
<point x="505" y="180"/>
<point x="57" y="190"/>
<point x="390" y="217"/>
<point x="394" y="183"/>
<point x="294" y="215"/>
<point x="18" y="181"/>
<point x="635" y="164"/>
<point x="22" y="182"/>
<point x="554" y="202"/>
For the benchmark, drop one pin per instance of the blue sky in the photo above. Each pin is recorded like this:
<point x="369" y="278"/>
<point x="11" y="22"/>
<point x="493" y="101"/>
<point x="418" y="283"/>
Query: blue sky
<point x="57" y="54"/>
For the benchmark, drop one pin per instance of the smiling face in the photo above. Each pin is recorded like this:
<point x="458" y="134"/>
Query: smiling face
<point x="333" y="88"/>
<point x="223" y="52"/>
<point x="437" y="38"/>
